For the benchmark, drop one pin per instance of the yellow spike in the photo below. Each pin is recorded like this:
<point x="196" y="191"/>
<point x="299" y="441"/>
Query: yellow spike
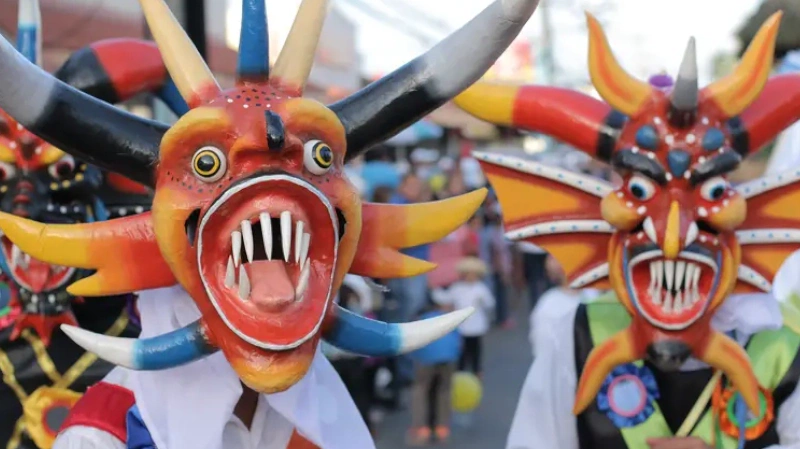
<point x="736" y="91"/>
<point x="615" y="351"/>
<point x="726" y="355"/>
<point x="54" y="243"/>
<point x="618" y="88"/>
<point x="190" y="73"/>
<point x="493" y="103"/>
<point x="297" y="56"/>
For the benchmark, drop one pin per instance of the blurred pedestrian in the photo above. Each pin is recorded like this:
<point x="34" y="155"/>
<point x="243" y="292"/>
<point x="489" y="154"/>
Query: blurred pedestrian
<point x="434" y="366"/>
<point x="495" y="251"/>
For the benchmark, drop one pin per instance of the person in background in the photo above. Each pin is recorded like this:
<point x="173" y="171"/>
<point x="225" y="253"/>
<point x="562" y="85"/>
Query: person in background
<point x="530" y="272"/>
<point x="434" y="366"/>
<point x="379" y="170"/>
<point x="471" y="291"/>
<point x="496" y="253"/>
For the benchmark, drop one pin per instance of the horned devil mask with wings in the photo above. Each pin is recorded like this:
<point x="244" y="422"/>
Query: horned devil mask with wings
<point x="252" y="213"/>
<point x="675" y="239"/>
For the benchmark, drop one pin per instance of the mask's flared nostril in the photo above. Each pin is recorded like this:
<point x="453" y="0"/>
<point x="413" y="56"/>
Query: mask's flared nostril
<point x="668" y="355"/>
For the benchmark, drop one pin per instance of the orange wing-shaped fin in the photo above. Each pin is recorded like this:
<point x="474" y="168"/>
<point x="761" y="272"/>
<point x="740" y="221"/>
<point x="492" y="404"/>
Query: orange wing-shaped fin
<point x="123" y="251"/>
<point x="387" y="228"/>
<point x="557" y="210"/>
<point x="771" y="231"/>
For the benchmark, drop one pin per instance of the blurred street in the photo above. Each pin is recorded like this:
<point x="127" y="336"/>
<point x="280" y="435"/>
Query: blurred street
<point x="508" y="357"/>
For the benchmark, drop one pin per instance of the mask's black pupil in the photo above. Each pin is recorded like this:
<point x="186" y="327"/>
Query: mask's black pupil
<point x="325" y="154"/>
<point x="637" y="191"/>
<point x="63" y="169"/>
<point x="717" y="192"/>
<point x="206" y="164"/>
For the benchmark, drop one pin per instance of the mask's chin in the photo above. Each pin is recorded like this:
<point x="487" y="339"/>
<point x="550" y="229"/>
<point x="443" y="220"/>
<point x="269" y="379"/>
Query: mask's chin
<point x="672" y="294"/>
<point x="266" y="251"/>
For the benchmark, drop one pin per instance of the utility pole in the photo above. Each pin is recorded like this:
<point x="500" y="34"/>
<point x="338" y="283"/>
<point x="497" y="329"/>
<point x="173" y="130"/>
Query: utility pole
<point x="547" y="60"/>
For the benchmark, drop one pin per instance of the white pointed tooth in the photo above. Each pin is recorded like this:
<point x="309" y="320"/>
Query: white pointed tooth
<point x="247" y="235"/>
<point x="266" y="233"/>
<point x="696" y="278"/>
<point x="35" y="298"/>
<point x="659" y="274"/>
<point x="236" y="247"/>
<point x="656" y="296"/>
<point x="650" y="229"/>
<point x="691" y="233"/>
<point x="302" y="282"/>
<point x="669" y="269"/>
<point x="680" y="268"/>
<point x="286" y="233"/>
<point x="652" y="275"/>
<point x="230" y="273"/>
<point x="690" y="267"/>
<point x="298" y="241"/>
<point x="677" y="303"/>
<point x="244" y="283"/>
<point x="304" y="245"/>
<point x="667" y="306"/>
<point x="15" y="256"/>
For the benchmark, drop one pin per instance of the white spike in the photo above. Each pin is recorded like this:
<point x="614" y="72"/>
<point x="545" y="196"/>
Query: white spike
<point x="230" y="273"/>
<point x="244" y="284"/>
<point x="696" y="280"/>
<point x="677" y="305"/>
<point x="680" y="268"/>
<point x="691" y="233"/>
<point x="15" y="256"/>
<point x="656" y="296"/>
<point x="298" y="242"/>
<point x="659" y="274"/>
<point x="266" y="233"/>
<point x="302" y="282"/>
<point x="650" y="229"/>
<point x="667" y="307"/>
<point x="304" y="245"/>
<point x="669" y="268"/>
<point x="286" y="233"/>
<point x="687" y="285"/>
<point x="652" y="275"/>
<point x="236" y="247"/>
<point x="417" y="334"/>
<point x="116" y="350"/>
<point x="247" y="235"/>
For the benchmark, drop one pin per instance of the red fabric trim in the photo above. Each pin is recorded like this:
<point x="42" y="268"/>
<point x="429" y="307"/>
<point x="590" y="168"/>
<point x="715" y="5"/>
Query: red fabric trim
<point x="105" y="407"/>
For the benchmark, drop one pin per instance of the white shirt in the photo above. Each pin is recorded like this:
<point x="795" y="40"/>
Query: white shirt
<point x="472" y="294"/>
<point x="544" y="417"/>
<point x="553" y="295"/>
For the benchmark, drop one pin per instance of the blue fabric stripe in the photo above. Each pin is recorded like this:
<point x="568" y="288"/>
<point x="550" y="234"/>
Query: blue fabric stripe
<point x="175" y="348"/>
<point x="254" y="40"/>
<point x="138" y="435"/>
<point x="359" y="335"/>
<point x="27" y="35"/>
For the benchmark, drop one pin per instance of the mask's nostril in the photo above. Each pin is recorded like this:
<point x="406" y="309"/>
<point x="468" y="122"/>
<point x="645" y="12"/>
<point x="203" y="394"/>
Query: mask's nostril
<point x="668" y="355"/>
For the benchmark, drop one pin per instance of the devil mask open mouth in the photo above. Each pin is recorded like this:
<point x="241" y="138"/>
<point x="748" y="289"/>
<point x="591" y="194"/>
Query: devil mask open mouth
<point x="266" y="250"/>
<point x="672" y="294"/>
<point x="41" y="281"/>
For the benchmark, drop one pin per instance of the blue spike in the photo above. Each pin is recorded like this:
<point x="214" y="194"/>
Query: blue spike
<point x="254" y="40"/>
<point x="170" y="95"/>
<point x="172" y="349"/>
<point x="28" y="30"/>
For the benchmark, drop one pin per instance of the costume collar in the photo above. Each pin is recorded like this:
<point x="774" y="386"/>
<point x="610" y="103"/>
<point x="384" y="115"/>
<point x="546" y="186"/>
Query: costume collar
<point x="190" y="405"/>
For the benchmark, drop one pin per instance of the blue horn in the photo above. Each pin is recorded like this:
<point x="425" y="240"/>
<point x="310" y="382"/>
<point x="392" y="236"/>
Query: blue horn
<point x="253" y="62"/>
<point x="29" y="31"/>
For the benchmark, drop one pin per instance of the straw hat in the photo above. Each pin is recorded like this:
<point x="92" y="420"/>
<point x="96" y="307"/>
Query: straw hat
<point x="471" y="265"/>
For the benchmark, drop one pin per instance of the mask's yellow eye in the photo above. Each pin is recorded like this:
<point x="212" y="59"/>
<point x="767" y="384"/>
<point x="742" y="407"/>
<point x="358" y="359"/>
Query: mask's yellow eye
<point x="209" y="164"/>
<point x="318" y="157"/>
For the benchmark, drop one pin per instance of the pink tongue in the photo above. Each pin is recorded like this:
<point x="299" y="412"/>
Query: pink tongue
<point x="270" y="286"/>
<point x="37" y="275"/>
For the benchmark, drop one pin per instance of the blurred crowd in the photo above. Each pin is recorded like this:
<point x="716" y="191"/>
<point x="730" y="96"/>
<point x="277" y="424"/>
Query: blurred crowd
<point x="476" y="267"/>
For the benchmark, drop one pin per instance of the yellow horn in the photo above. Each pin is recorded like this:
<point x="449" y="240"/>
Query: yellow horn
<point x="297" y="56"/>
<point x="618" y="88"/>
<point x="187" y="68"/>
<point x="736" y="91"/>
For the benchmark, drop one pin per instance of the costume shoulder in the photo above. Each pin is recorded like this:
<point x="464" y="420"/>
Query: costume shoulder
<point x="98" y="420"/>
<point x="553" y="319"/>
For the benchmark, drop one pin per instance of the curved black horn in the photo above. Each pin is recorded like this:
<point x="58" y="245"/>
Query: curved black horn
<point x="385" y="107"/>
<point x="683" y="102"/>
<point x="85" y="127"/>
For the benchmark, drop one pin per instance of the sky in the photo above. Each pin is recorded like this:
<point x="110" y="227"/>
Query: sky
<point x="647" y="36"/>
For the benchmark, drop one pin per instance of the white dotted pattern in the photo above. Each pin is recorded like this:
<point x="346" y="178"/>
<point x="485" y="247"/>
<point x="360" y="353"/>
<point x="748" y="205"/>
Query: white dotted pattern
<point x="767" y="183"/>
<point x="560" y="227"/>
<point x="595" y="274"/>
<point x="750" y="276"/>
<point x="779" y="235"/>
<point x="585" y="183"/>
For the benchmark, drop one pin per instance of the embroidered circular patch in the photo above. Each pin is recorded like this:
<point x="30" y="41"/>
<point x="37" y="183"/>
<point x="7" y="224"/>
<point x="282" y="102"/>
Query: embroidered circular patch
<point x="724" y="403"/>
<point x="627" y="395"/>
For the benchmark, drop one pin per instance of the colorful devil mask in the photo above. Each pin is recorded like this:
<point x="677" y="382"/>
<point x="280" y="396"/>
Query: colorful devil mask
<point x="253" y="214"/>
<point x="40" y="182"/>
<point x="675" y="239"/>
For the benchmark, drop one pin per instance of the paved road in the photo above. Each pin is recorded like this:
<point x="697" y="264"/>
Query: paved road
<point x="507" y="359"/>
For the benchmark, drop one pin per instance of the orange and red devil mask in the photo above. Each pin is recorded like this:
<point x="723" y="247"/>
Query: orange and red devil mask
<point x="41" y="182"/>
<point x="675" y="239"/>
<point x="253" y="215"/>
